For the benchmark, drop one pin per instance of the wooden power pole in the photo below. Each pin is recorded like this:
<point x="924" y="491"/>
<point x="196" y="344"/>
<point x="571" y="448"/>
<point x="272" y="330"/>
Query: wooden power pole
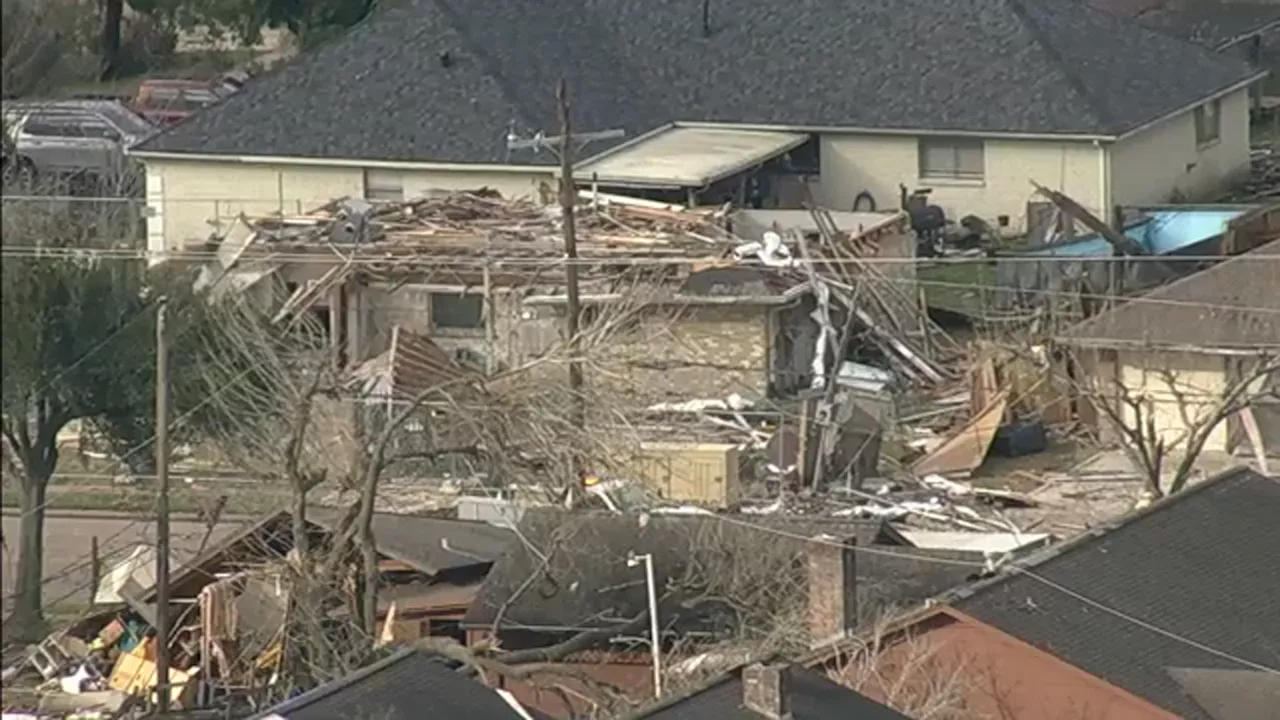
<point x="162" y="510"/>
<point x="568" y="204"/>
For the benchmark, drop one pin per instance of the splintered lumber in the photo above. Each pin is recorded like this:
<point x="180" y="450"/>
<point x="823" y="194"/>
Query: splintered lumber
<point x="964" y="450"/>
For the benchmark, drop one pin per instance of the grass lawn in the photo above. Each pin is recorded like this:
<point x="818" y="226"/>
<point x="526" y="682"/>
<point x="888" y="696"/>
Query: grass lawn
<point x="959" y="287"/>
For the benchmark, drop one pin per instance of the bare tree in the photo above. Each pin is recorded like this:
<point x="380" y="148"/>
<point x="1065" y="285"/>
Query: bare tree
<point x="1167" y="456"/>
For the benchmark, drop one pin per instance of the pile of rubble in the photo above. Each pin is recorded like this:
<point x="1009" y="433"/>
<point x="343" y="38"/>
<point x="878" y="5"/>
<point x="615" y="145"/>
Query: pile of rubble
<point x="486" y="225"/>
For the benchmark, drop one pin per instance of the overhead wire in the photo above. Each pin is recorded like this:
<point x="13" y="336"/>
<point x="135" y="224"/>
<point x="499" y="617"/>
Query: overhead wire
<point x="1016" y="569"/>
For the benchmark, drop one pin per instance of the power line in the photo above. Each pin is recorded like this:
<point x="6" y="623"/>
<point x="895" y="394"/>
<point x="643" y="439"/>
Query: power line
<point x="380" y="254"/>
<point x="445" y="265"/>
<point x="1021" y="571"/>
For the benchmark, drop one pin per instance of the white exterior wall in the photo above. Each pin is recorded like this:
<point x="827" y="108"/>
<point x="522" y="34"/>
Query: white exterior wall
<point x="1150" y="166"/>
<point x="192" y="199"/>
<point x="878" y="163"/>
<point x="1174" y="384"/>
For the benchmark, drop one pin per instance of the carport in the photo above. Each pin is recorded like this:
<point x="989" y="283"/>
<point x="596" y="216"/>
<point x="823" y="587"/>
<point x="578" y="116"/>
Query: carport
<point x="692" y="159"/>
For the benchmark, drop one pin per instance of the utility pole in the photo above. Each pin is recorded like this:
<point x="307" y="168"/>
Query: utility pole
<point x="162" y="510"/>
<point x="568" y="204"/>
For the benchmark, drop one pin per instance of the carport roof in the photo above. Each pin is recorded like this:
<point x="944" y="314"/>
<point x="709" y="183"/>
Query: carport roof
<point x="687" y="157"/>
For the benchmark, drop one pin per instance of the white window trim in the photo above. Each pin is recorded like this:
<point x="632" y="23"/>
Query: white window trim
<point x="949" y="178"/>
<point x="383" y="185"/>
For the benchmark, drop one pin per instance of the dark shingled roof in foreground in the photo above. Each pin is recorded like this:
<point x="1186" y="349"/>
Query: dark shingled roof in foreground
<point x="447" y="80"/>
<point x="430" y="544"/>
<point x="812" y="697"/>
<point x="407" y="685"/>
<point x="587" y="582"/>
<point x="1202" y="566"/>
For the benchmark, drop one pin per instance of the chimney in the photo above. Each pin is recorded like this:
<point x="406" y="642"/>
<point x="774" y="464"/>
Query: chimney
<point x="764" y="690"/>
<point x="833" y="598"/>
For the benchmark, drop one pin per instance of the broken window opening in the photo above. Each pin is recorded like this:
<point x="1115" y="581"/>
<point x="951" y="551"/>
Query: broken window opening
<point x="457" y="312"/>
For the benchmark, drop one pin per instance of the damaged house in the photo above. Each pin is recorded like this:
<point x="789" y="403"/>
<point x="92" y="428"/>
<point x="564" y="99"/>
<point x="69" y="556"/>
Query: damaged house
<point x="1184" y="349"/>
<point x="1125" y="622"/>
<point x="726" y="586"/>
<point x="674" y="307"/>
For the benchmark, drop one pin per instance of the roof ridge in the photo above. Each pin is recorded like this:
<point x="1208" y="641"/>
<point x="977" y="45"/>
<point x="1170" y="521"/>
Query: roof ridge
<point x="1044" y="42"/>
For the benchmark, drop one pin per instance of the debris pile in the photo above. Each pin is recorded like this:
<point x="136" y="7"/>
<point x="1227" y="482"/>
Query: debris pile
<point x="483" y="224"/>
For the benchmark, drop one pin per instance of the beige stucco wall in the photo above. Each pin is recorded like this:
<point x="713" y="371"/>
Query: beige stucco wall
<point x="1176" y="386"/>
<point x="190" y="199"/>
<point x="878" y="163"/>
<point x="1149" y="167"/>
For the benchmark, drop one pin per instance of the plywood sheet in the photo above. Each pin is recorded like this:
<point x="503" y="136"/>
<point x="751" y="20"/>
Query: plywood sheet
<point x="964" y="450"/>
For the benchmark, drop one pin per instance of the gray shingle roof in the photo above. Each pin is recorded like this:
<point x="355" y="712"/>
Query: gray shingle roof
<point x="1211" y="23"/>
<point x="812" y="696"/>
<point x="1200" y="565"/>
<point x="1021" y="66"/>
<point x="588" y="584"/>
<point x="407" y="685"/>
<point x="420" y="541"/>
<point x="1233" y="304"/>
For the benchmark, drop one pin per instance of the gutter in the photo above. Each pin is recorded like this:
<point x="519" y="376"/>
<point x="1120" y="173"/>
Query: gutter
<point x="342" y="162"/>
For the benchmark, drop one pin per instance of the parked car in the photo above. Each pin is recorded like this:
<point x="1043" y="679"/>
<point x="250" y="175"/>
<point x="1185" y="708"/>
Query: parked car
<point x="66" y="137"/>
<point x="166" y="102"/>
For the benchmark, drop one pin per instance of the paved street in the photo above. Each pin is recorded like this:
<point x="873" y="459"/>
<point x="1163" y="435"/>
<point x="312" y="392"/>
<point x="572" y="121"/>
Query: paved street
<point x="69" y="536"/>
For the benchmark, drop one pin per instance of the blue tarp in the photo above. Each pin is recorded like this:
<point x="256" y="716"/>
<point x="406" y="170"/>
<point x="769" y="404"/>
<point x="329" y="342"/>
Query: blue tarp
<point x="1161" y="232"/>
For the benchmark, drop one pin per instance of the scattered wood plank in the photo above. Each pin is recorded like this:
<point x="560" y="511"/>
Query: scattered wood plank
<point x="965" y="449"/>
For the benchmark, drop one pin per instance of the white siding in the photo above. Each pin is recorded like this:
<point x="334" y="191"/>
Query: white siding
<point x="196" y="199"/>
<point x="1151" y="166"/>
<point x="878" y="163"/>
<point x="1177" y="386"/>
<point x="192" y="199"/>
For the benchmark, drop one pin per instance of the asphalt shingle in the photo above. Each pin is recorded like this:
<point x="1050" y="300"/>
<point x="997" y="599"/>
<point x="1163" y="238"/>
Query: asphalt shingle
<point x="587" y="582"/>
<point x="1232" y="305"/>
<point x="1200" y="566"/>
<point x="409" y="685"/>
<point x="812" y="697"/>
<point x="432" y="545"/>
<point x="443" y="80"/>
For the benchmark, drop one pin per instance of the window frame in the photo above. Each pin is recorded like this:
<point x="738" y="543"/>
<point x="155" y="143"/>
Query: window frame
<point x="1206" y="135"/>
<point x="956" y="145"/>
<point x="383" y="185"/>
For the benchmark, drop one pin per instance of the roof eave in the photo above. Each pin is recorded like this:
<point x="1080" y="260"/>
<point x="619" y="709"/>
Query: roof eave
<point x="1236" y="40"/>
<point x="339" y="162"/>
<point x="1236" y="87"/>
<point x="906" y="132"/>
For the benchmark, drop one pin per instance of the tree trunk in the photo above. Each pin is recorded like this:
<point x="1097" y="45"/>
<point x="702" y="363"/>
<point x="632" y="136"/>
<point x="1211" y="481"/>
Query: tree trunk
<point x="112" y="12"/>
<point x="27" y="621"/>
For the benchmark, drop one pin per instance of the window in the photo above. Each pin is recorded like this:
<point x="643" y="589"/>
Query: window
<point x="457" y="312"/>
<point x="951" y="158"/>
<point x="383" y="185"/>
<point x="1208" y="123"/>
<point x="52" y="126"/>
<point x="95" y="128"/>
